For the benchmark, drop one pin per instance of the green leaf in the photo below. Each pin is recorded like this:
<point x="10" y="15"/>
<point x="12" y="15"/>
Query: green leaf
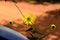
<point x="33" y="38"/>
<point x="36" y="31"/>
<point x="43" y="36"/>
<point x="29" y="29"/>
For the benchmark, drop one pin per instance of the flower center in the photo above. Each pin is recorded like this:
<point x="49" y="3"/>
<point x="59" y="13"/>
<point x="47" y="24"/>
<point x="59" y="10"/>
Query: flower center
<point x="28" y="19"/>
<point x="53" y="27"/>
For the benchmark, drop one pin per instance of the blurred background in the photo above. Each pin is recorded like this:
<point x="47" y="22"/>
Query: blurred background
<point x="44" y="9"/>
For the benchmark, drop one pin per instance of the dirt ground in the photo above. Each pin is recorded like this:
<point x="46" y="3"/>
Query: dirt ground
<point x="8" y="11"/>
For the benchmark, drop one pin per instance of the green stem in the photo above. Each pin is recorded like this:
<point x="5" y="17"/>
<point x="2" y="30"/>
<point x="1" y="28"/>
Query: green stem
<point x="43" y="36"/>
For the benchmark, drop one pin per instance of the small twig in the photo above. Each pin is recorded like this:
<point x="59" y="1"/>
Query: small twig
<point x="14" y="1"/>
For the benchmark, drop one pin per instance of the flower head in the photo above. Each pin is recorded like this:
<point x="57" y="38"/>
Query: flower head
<point x="29" y="19"/>
<point x="11" y="22"/>
<point x="52" y="26"/>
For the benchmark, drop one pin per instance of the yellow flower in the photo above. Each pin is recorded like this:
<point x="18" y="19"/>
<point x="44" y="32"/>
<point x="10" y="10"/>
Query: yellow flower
<point x="29" y="19"/>
<point x="52" y="26"/>
<point x="11" y="22"/>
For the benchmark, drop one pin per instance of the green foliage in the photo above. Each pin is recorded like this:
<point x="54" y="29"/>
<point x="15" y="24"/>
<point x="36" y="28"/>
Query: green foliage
<point x="34" y="30"/>
<point x="43" y="36"/>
